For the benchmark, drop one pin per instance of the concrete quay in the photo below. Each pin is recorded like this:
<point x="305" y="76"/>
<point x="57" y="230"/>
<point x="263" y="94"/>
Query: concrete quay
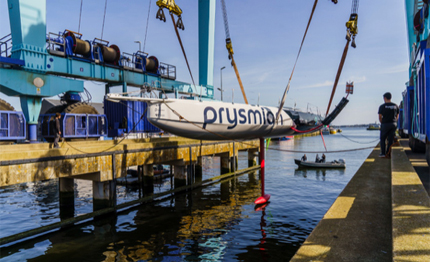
<point x="383" y="214"/>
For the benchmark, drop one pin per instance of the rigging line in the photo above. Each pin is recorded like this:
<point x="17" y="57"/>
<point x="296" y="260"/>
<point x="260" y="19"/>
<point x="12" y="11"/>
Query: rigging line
<point x="339" y="71"/>
<point x="182" y="47"/>
<point x="322" y="137"/>
<point x="297" y="58"/>
<point x="80" y="14"/>
<point x="355" y="141"/>
<point x="224" y="11"/>
<point x="147" y="22"/>
<point x="325" y="152"/>
<point x="104" y="16"/>
<point x="354" y="8"/>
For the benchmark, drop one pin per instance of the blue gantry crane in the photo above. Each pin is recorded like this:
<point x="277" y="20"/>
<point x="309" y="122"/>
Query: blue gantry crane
<point x="35" y="64"/>
<point x="415" y="119"/>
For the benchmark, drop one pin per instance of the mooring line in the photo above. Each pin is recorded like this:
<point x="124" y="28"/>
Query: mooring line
<point x="322" y="151"/>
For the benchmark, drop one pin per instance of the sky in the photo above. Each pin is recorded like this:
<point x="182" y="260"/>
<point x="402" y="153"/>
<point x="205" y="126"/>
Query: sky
<point x="266" y="37"/>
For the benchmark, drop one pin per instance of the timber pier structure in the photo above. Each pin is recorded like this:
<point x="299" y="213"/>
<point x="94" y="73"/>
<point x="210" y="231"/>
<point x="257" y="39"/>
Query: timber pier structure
<point x="103" y="162"/>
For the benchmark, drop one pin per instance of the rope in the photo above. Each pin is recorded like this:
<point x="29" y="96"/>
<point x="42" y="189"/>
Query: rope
<point x="297" y="58"/>
<point x="322" y="137"/>
<point x="354" y="8"/>
<point x="325" y="152"/>
<point x="182" y="47"/>
<point x="224" y="12"/>
<point x="339" y="71"/>
<point x="147" y="23"/>
<point x="358" y="141"/>
<point x="80" y="14"/>
<point x="104" y="16"/>
<point x="307" y="131"/>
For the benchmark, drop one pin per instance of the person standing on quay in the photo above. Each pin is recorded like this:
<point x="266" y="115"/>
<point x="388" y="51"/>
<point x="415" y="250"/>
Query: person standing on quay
<point x="57" y="130"/>
<point x="388" y="115"/>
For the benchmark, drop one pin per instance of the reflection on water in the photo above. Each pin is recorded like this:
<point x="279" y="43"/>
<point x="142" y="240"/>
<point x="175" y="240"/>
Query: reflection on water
<point x="215" y="223"/>
<point x="318" y="174"/>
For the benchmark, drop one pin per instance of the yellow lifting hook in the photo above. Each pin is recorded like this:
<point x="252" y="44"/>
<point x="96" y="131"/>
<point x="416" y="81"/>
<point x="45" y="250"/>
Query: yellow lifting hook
<point x="173" y="9"/>
<point x="351" y="28"/>
<point x="351" y="25"/>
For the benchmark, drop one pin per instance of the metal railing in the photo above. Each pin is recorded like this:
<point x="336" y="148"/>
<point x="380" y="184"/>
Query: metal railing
<point x="55" y="44"/>
<point x="167" y="71"/>
<point x="5" y="45"/>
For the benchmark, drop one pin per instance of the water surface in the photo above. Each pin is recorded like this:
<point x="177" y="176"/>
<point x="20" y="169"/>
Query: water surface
<point x="215" y="223"/>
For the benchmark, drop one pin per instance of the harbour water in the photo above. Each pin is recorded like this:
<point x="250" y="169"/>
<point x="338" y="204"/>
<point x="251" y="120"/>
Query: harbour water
<point x="215" y="223"/>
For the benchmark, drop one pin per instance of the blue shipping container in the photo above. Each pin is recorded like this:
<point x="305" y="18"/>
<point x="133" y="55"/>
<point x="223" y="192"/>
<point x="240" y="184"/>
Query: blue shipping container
<point x="128" y="115"/>
<point x="420" y="124"/>
<point x="74" y="125"/>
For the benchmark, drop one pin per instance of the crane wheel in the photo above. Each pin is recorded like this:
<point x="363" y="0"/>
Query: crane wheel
<point x="5" y="106"/>
<point x="81" y="108"/>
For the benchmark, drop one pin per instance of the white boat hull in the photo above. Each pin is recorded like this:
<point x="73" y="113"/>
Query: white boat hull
<point x="214" y="120"/>
<point x="217" y="120"/>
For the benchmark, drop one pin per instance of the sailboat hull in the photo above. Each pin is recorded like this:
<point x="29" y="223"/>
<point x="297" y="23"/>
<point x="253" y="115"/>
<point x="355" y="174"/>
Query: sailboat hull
<point x="213" y="120"/>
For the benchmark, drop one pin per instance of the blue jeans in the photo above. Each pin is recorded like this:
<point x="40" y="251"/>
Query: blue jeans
<point x="388" y="130"/>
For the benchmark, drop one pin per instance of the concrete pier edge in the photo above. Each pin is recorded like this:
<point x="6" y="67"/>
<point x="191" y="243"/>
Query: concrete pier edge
<point x="411" y="211"/>
<point x="383" y="214"/>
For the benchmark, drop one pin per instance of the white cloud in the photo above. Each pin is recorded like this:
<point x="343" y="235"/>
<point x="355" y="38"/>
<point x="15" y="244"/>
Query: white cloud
<point x="330" y="83"/>
<point x="396" y="69"/>
<point x="323" y="84"/>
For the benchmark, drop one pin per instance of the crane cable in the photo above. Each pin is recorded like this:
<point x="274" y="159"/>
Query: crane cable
<point x="229" y="47"/>
<point x="182" y="47"/>
<point x="80" y="15"/>
<point x="297" y="58"/>
<point x="351" y="30"/>
<point x="147" y="23"/>
<point x="104" y="17"/>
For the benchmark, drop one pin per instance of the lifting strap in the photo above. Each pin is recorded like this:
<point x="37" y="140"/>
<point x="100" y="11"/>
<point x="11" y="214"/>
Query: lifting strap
<point x="238" y="79"/>
<point x="339" y="71"/>
<point x="229" y="47"/>
<point x="182" y="47"/>
<point x="297" y="58"/>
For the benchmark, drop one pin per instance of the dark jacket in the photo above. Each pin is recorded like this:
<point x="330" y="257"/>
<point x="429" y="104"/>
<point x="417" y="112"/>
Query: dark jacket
<point x="57" y="126"/>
